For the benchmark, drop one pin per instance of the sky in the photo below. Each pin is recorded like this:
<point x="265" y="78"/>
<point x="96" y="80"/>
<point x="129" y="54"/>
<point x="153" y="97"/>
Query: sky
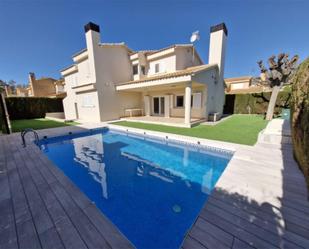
<point x="42" y="35"/>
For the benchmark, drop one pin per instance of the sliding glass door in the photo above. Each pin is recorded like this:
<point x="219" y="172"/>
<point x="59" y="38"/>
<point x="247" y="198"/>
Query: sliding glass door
<point x="158" y="106"/>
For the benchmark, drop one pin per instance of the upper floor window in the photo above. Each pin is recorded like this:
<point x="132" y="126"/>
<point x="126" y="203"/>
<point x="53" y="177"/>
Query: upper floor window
<point x="157" y="68"/>
<point x="135" y="69"/>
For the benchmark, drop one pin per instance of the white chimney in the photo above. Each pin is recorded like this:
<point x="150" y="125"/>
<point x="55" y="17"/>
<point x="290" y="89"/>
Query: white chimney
<point x="217" y="45"/>
<point x="92" y="32"/>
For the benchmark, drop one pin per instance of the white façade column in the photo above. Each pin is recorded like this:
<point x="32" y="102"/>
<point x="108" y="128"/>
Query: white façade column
<point x="188" y="92"/>
<point x="147" y="105"/>
<point x="167" y="106"/>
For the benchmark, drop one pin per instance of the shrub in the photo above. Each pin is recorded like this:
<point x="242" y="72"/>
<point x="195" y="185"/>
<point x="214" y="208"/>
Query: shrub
<point x="300" y="117"/>
<point x="257" y="103"/>
<point x="32" y="107"/>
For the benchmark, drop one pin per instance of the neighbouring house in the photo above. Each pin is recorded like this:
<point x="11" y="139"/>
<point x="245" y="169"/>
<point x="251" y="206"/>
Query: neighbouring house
<point x="172" y="85"/>
<point x="244" y="84"/>
<point x="8" y="91"/>
<point x="43" y="87"/>
<point x="22" y="91"/>
<point x="59" y="88"/>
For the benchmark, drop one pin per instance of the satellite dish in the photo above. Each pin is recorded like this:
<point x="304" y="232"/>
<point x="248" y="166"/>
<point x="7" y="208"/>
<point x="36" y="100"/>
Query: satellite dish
<point x="195" y="36"/>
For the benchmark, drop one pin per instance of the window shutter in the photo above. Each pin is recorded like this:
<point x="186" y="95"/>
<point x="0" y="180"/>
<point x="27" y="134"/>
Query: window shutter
<point x="197" y="100"/>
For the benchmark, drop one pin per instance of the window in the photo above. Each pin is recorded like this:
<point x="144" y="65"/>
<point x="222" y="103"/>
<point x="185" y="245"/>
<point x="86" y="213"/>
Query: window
<point x="88" y="101"/>
<point x="157" y="68"/>
<point x="196" y="100"/>
<point x="179" y="101"/>
<point x="143" y="69"/>
<point x="135" y="69"/>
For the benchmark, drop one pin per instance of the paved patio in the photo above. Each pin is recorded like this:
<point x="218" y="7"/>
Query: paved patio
<point x="259" y="202"/>
<point x="171" y="121"/>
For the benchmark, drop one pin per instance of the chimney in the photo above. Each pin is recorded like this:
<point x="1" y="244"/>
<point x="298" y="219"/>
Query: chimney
<point x="31" y="78"/>
<point x="217" y="45"/>
<point x="92" y="33"/>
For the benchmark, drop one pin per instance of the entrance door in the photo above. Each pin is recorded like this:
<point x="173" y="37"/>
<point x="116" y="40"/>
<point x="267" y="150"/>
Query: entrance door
<point x="158" y="106"/>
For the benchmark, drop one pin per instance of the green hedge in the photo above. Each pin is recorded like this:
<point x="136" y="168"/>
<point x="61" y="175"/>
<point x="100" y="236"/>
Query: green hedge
<point x="32" y="107"/>
<point x="257" y="103"/>
<point x="300" y="117"/>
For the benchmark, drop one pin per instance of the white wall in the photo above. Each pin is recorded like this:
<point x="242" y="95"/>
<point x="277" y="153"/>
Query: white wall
<point x="185" y="59"/>
<point x="215" y="90"/>
<point x="70" y="99"/>
<point x="167" y="64"/>
<point x="83" y="76"/>
<point x="115" y="67"/>
<point x="88" y="111"/>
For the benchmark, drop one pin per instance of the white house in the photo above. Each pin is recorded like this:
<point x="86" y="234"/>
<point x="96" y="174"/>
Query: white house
<point x="172" y="85"/>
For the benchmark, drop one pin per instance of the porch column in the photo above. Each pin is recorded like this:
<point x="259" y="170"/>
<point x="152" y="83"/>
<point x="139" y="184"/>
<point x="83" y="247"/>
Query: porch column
<point x="167" y="106"/>
<point x="188" y="92"/>
<point x="147" y="105"/>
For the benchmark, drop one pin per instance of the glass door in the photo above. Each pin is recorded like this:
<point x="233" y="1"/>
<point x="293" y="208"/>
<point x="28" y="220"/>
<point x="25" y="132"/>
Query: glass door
<point x="158" y="106"/>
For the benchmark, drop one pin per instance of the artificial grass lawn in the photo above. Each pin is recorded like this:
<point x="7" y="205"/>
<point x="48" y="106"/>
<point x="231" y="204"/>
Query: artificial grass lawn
<point x="40" y="123"/>
<point x="241" y="129"/>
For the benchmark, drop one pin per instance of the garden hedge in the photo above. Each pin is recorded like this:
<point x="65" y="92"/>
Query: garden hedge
<point x="300" y="117"/>
<point x="256" y="103"/>
<point x="32" y="107"/>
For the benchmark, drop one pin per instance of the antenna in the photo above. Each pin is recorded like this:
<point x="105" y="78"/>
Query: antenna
<point x="194" y="37"/>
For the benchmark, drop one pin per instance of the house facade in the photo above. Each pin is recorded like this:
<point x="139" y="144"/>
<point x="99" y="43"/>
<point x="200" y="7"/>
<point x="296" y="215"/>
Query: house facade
<point x="109" y="81"/>
<point x="43" y="87"/>
<point x="243" y="85"/>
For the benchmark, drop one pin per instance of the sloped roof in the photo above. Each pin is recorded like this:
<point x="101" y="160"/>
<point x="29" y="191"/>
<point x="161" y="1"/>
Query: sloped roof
<point x="187" y="71"/>
<point x="237" y="79"/>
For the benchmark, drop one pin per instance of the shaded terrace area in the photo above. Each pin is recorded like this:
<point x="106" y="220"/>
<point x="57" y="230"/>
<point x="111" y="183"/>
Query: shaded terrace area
<point x="180" y="98"/>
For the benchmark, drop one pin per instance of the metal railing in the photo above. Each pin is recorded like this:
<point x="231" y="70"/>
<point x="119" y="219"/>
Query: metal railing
<point x="24" y="132"/>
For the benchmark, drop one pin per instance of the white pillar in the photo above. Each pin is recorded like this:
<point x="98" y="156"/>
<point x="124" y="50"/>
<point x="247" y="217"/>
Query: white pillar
<point x="188" y="91"/>
<point x="167" y="106"/>
<point x="147" y="105"/>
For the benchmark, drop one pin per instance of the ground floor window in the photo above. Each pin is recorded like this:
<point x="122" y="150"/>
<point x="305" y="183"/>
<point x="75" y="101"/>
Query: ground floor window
<point x="179" y="101"/>
<point x="88" y="101"/>
<point x="196" y="100"/>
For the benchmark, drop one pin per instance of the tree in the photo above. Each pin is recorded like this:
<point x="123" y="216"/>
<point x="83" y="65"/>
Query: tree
<point x="277" y="75"/>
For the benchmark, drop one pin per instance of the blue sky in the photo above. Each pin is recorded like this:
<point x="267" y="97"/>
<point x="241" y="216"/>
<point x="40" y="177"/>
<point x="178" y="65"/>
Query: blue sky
<point x="41" y="35"/>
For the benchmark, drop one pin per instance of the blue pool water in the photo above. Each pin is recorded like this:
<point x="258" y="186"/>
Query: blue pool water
<point x="150" y="189"/>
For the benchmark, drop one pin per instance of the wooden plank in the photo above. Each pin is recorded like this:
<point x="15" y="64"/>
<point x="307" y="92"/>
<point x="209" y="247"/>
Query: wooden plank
<point x="234" y="230"/>
<point x="69" y="236"/>
<point x="272" y="238"/>
<point x="206" y="239"/>
<point x="8" y="238"/>
<point x="51" y="240"/>
<point x="272" y="223"/>
<point x="27" y="235"/>
<point x="86" y="229"/>
<point x="191" y="243"/>
<point x="214" y="231"/>
<point x="238" y="244"/>
<point x="6" y="214"/>
<point x="108" y="230"/>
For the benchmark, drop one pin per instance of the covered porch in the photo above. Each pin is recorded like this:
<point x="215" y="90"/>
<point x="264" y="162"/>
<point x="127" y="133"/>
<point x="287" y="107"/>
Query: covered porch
<point x="170" y="99"/>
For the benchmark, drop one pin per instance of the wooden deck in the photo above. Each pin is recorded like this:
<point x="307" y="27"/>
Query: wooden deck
<point x="259" y="202"/>
<point x="41" y="208"/>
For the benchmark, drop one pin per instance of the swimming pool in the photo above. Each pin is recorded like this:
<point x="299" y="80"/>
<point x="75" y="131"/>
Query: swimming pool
<point x="151" y="189"/>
